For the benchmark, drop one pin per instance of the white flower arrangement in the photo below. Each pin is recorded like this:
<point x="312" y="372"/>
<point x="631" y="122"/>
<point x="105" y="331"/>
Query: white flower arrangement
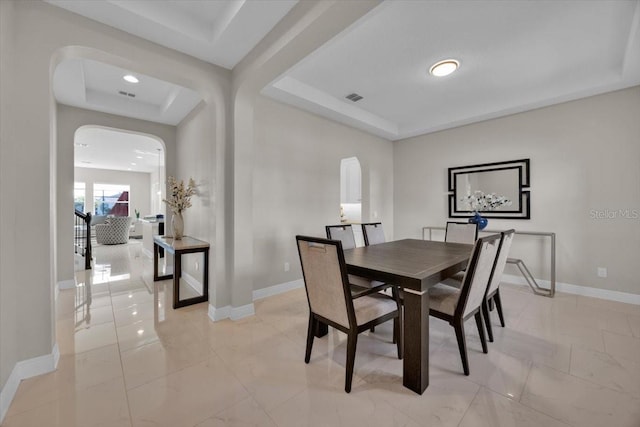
<point x="481" y="202"/>
<point x="180" y="196"/>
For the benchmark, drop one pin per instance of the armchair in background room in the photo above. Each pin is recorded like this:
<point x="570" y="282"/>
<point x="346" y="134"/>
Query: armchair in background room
<point x="114" y="231"/>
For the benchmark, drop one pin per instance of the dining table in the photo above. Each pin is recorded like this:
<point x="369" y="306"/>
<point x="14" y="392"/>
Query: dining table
<point x="415" y="266"/>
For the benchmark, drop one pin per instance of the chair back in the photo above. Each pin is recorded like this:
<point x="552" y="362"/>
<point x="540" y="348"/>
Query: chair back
<point x="501" y="260"/>
<point x="461" y="232"/>
<point x="373" y="233"/>
<point x="478" y="273"/>
<point x="325" y="279"/>
<point x="344" y="233"/>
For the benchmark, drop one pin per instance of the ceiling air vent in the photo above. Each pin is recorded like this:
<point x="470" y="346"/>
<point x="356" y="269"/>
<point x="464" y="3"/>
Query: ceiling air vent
<point x="123" y="93"/>
<point x="353" y="97"/>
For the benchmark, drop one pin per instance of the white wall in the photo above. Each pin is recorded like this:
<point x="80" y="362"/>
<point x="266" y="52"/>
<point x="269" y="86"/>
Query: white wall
<point x="139" y="187"/>
<point x="197" y="160"/>
<point x="304" y="29"/>
<point x="296" y="183"/>
<point x="585" y="158"/>
<point x="30" y="147"/>
<point x="10" y="351"/>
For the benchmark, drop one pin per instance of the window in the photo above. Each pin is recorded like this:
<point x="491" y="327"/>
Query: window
<point x="79" y="195"/>
<point x="111" y="199"/>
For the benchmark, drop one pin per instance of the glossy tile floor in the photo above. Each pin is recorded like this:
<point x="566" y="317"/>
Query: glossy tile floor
<point x="128" y="359"/>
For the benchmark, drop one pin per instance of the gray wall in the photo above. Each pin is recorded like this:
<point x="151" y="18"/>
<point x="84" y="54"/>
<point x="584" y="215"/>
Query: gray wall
<point x="585" y="158"/>
<point x="296" y="183"/>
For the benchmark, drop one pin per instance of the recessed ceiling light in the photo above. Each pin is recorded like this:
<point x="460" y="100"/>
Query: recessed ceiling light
<point x="131" y="78"/>
<point x="138" y="157"/>
<point x="444" y="68"/>
<point x="133" y="164"/>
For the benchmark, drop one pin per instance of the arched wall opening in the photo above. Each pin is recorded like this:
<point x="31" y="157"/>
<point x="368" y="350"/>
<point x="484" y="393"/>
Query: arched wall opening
<point x="100" y="148"/>
<point x="65" y="120"/>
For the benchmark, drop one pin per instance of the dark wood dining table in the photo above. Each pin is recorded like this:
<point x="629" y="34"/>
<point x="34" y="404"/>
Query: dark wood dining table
<point x="414" y="265"/>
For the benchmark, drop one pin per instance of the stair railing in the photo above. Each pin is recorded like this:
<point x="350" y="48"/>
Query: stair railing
<point x="82" y="237"/>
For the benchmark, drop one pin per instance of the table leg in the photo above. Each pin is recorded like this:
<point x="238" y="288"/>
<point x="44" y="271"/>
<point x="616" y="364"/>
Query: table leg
<point x="155" y="262"/>
<point x="205" y="276"/>
<point x="415" y="374"/>
<point x="177" y="272"/>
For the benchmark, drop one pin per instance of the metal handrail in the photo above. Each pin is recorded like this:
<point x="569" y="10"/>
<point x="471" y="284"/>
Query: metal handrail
<point x="531" y="281"/>
<point x="83" y="242"/>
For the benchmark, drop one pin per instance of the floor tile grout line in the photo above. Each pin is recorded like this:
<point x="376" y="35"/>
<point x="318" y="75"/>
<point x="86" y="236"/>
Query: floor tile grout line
<point x="475" y="396"/>
<point x="538" y="410"/>
<point x="596" y="383"/>
<point x="124" y="379"/>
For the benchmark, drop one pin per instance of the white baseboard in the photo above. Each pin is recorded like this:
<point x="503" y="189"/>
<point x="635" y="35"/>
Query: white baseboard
<point x="195" y="284"/>
<point x="578" y="289"/>
<point x="277" y="289"/>
<point x="220" y="313"/>
<point x="235" y="313"/>
<point x="23" y="370"/>
<point x="229" y="312"/>
<point x="242" y="311"/>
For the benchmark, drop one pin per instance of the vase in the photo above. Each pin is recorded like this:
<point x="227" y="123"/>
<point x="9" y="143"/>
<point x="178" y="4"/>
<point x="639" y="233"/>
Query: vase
<point x="177" y="225"/>
<point x="480" y="220"/>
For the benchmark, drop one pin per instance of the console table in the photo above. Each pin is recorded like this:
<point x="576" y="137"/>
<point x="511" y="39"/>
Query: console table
<point x="186" y="245"/>
<point x="531" y="281"/>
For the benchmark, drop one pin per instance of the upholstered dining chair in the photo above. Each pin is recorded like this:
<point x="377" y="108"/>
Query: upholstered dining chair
<point x="359" y="284"/>
<point x="461" y="232"/>
<point x="455" y="305"/>
<point x="373" y="233"/>
<point x="331" y="301"/>
<point x="344" y="233"/>
<point x="493" y="290"/>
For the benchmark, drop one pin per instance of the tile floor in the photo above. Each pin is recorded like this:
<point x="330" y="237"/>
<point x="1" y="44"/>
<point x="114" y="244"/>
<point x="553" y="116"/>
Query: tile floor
<point x="128" y="359"/>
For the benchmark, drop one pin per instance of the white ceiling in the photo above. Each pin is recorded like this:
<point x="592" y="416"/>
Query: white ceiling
<point x="103" y="148"/>
<point x="514" y="56"/>
<point x="98" y="86"/>
<point x="221" y="32"/>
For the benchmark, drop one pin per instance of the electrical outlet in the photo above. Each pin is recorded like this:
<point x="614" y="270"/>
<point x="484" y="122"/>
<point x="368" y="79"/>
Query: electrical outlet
<point x="602" y="272"/>
<point x="286" y="266"/>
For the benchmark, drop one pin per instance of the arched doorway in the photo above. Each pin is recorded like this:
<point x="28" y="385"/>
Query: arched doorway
<point x="350" y="190"/>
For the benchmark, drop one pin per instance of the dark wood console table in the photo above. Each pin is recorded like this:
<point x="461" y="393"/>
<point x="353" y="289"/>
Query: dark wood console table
<point x="177" y="248"/>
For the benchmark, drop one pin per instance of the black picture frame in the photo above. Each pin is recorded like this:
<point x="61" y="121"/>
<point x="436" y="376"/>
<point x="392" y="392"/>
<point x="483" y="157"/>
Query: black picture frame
<point x="523" y="210"/>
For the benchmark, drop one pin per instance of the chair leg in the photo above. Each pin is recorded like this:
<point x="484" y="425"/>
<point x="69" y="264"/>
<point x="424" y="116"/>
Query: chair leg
<point x="352" y="340"/>
<point x="462" y="345"/>
<point x="397" y="334"/>
<point x="487" y="320"/>
<point x="498" y="301"/>
<point x="480" y="326"/>
<point x="310" y="336"/>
